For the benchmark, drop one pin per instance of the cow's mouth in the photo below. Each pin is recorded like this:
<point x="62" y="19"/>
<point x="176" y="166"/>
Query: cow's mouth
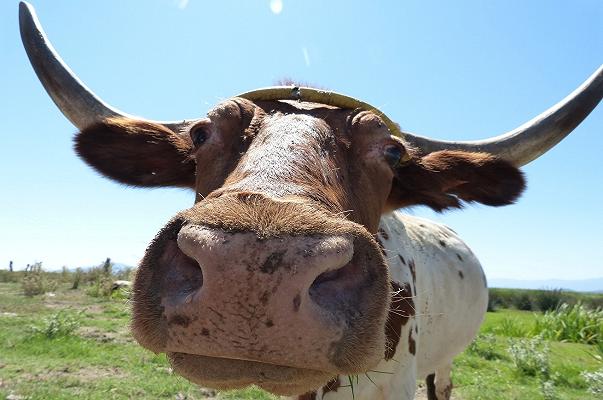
<point x="225" y="373"/>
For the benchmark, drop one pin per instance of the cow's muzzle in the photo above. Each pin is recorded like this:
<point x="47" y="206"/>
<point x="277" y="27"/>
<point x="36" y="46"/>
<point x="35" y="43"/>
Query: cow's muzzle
<point x="314" y="302"/>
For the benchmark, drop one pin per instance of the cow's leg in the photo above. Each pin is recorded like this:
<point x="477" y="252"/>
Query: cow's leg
<point x="430" y="384"/>
<point x="443" y="383"/>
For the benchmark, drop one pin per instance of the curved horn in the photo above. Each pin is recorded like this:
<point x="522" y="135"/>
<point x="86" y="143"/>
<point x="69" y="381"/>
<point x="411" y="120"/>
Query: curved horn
<point x="78" y="103"/>
<point x="534" y="138"/>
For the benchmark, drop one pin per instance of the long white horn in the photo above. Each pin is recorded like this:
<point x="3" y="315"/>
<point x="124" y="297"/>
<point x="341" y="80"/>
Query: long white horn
<point x="534" y="138"/>
<point x="78" y="103"/>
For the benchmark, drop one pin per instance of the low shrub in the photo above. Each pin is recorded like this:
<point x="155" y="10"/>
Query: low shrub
<point x="60" y="324"/>
<point x="531" y="357"/>
<point x="36" y="281"/>
<point x="77" y="278"/>
<point x="101" y="287"/>
<point x="484" y="345"/>
<point x="594" y="381"/>
<point x="573" y="323"/>
<point x="100" y="279"/>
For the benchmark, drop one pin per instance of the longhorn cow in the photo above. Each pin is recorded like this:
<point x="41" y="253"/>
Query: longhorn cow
<point x="293" y="271"/>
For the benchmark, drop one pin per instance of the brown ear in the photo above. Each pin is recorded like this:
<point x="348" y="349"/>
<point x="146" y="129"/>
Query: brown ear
<point x="137" y="153"/>
<point x="446" y="179"/>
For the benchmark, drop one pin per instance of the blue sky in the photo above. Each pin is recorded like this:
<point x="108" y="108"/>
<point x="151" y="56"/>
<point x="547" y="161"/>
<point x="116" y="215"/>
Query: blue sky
<point x="451" y="70"/>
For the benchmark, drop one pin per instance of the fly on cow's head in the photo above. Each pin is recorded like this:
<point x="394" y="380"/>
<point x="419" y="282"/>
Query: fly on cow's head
<point x="274" y="277"/>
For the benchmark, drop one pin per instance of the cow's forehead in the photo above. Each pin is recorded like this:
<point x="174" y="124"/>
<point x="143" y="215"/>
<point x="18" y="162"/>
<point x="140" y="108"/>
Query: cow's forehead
<point x="336" y="117"/>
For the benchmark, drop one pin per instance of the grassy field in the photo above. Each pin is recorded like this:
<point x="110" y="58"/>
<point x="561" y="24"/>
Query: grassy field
<point x="100" y="360"/>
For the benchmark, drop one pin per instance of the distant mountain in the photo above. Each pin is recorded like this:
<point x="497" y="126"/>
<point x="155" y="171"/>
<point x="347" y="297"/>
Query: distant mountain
<point x="582" y="285"/>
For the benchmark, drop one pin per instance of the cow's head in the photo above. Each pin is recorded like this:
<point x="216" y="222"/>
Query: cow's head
<point x="274" y="276"/>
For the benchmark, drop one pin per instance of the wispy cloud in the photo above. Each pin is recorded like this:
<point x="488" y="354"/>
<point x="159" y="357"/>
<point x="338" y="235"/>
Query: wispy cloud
<point x="181" y="4"/>
<point x="276" y="6"/>
<point x="306" y="56"/>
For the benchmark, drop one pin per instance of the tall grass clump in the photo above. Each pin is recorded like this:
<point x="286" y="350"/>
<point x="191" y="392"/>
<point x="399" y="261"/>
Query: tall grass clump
<point x="511" y="328"/>
<point x="36" y="281"/>
<point x="60" y="324"/>
<point x="572" y="323"/>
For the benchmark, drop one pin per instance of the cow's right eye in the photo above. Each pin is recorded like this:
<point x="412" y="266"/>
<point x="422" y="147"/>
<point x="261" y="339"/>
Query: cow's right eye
<point x="395" y="156"/>
<point x="199" y="135"/>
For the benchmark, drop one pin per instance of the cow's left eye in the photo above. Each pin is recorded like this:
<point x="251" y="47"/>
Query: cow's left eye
<point x="395" y="155"/>
<point x="198" y="135"/>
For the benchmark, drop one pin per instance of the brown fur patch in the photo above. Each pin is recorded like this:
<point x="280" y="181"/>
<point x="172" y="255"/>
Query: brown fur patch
<point x="412" y="345"/>
<point x="402" y="308"/>
<point x="331" y="386"/>
<point x="307" y="396"/>
<point x="413" y="270"/>
<point x="181" y="320"/>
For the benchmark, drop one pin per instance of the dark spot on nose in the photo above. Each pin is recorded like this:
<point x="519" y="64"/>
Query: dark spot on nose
<point x="461" y="275"/>
<point x="442" y="243"/>
<point x="264" y="298"/>
<point x="273" y="262"/>
<point x="269" y="323"/>
<point x="179" y="320"/>
<point x="383" y="234"/>
<point x="205" y="332"/>
<point x="459" y="257"/>
<point x="402" y="259"/>
<point x="296" y="302"/>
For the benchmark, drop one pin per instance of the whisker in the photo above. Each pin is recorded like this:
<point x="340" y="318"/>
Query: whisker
<point x="369" y="378"/>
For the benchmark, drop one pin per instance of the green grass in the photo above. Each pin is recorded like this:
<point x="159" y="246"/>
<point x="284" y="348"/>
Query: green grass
<point x="102" y="361"/>
<point x="496" y="378"/>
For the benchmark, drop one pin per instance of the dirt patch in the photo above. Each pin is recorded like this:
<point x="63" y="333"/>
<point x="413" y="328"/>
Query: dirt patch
<point x="82" y="374"/>
<point x="421" y="393"/>
<point x="102" y="336"/>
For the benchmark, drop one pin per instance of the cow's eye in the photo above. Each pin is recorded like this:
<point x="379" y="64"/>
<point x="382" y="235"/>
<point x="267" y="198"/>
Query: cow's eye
<point x="395" y="155"/>
<point x="199" y="135"/>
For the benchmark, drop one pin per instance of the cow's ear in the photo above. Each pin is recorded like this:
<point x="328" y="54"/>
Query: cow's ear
<point x="137" y="153"/>
<point x="446" y="179"/>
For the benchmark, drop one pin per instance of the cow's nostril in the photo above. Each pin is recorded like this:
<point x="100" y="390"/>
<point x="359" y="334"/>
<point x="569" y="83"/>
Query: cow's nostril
<point x="182" y="276"/>
<point x="332" y="275"/>
<point x="336" y="284"/>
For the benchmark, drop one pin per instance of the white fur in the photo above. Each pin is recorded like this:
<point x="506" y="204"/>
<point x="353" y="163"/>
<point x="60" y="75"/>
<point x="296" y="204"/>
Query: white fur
<point x="449" y="309"/>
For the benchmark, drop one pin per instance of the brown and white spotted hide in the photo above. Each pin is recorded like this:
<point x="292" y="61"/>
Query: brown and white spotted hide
<point x="438" y="303"/>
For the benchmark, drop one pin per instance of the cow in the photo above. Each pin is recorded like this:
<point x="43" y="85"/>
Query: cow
<point x="294" y="269"/>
